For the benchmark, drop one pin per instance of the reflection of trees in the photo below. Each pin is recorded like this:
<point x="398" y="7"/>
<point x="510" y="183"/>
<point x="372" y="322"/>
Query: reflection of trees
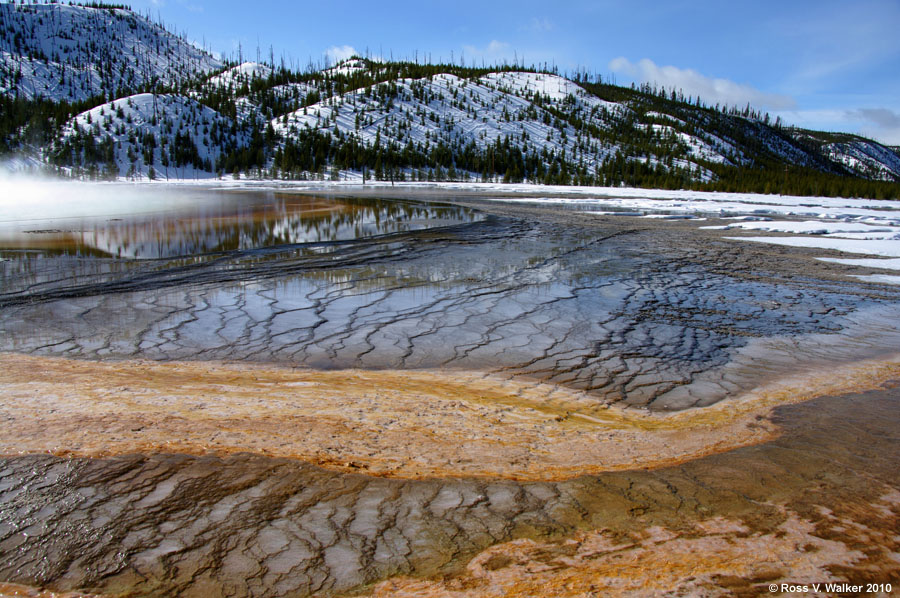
<point x="492" y="259"/>
<point x="34" y="271"/>
<point x="45" y="259"/>
<point x="279" y="220"/>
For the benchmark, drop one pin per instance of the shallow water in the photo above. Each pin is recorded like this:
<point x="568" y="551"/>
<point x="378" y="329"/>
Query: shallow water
<point x="146" y="223"/>
<point x="337" y="283"/>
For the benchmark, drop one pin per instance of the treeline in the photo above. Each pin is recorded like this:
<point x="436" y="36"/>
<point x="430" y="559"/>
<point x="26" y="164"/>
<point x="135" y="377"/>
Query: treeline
<point x="642" y="146"/>
<point x="99" y="5"/>
<point x="36" y="122"/>
<point x="316" y="152"/>
<point x="313" y="152"/>
<point x="329" y="83"/>
<point x="784" y="179"/>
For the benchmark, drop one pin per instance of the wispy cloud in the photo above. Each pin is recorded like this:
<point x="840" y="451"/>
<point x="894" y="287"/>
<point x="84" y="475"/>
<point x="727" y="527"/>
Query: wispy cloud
<point x="842" y="38"/>
<point x="495" y="51"/>
<point x="335" y="54"/>
<point x="712" y="90"/>
<point x="881" y="123"/>
<point x="538" y="25"/>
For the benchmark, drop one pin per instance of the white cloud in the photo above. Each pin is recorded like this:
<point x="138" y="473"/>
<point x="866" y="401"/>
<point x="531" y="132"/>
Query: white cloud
<point x="538" y="25"/>
<point x="335" y="54"/>
<point x="495" y="51"/>
<point x="882" y="124"/>
<point x="711" y="90"/>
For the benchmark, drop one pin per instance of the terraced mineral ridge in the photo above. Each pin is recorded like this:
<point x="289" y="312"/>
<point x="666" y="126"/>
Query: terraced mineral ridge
<point x="279" y="394"/>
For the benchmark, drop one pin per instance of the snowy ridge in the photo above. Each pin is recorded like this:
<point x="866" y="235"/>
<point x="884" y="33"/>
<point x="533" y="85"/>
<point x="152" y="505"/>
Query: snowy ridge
<point x="851" y="153"/>
<point x="428" y="112"/>
<point x="72" y="53"/>
<point x="239" y="82"/>
<point x="348" y="67"/>
<point x="867" y="158"/>
<point x="153" y="136"/>
<point x="455" y="112"/>
<point x="710" y="148"/>
<point x="394" y="119"/>
<point x="546" y="118"/>
<point x="774" y="144"/>
<point x="232" y="79"/>
<point x="552" y="88"/>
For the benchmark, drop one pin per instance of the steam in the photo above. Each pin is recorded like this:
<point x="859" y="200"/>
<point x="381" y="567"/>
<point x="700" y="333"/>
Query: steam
<point x="27" y="199"/>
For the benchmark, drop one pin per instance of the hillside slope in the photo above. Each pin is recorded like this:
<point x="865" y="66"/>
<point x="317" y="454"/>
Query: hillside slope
<point x="149" y="135"/>
<point x="509" y="125"/>
<point x="72" y="53"/>
<point x="69" y="75"/>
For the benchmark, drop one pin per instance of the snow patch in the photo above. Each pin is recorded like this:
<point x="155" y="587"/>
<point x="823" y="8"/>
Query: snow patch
<point x="884" y="264"/>
<point x="882" y="278"/>
<point x="877" y="247"/>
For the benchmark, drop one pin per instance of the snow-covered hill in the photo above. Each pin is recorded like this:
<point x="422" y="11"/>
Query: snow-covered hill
<point x="243" y="83"/>
<point x="394" y="119"/>
<point x="865" y="157"/>
<point x="148" y="135"/>
<point x="235" y="78"/>
<point x="442" y="110"/>
<point x="862" y="157"/>
<point x="534" y="111"/>
<point x="546" y="118"/>
<point x="72" y="53"/>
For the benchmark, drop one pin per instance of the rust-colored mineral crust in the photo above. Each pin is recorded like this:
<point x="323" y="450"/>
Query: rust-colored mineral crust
<point x="408" y="424"/>
<point x="718" y="557"/>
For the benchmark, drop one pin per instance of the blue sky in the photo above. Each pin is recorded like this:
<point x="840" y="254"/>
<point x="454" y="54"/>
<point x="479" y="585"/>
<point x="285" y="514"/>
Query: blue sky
<point x="826" y="64"/>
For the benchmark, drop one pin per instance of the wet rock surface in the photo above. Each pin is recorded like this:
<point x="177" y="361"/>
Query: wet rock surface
<point x="246" y="525"/>
<point x="638" y="313"/>
<point x="623" y="312"/>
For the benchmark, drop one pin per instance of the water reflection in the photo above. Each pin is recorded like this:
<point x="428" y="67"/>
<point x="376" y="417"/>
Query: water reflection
<point x="621" y="312"/>
<point x="217" y="222"/>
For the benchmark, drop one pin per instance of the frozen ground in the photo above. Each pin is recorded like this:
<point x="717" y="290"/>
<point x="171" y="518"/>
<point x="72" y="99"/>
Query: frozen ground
<point x="883" y="278"/>
<point x="886" y="264"/>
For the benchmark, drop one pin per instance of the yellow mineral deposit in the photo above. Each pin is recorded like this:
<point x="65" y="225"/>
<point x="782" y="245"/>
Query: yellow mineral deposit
<point x="408" y="424"/>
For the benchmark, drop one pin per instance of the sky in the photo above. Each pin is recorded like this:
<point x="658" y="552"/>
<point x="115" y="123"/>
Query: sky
<point x="828" y="65"/>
